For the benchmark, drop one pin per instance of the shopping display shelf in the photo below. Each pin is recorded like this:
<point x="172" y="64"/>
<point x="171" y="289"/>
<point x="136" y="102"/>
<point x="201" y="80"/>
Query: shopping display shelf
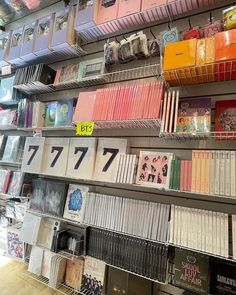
<point x="72" y="51"/>
<point x="8" y="197"/>
<point x="8" y="127"/>
<point x="147" y="70"/>
<point x="199" y="74"/>
<point x="165" y="11"/>
<point x="218" y="135"/>
<point x="10" y="164"/>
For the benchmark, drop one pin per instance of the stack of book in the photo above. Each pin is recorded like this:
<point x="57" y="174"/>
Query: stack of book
<point x="202" y="230"/>
<point x="181" y="175"/>
<point x="133" y="102"/>
<point x="14" y="183"/>
<point x="188" y="116"/>
<point x="34" y="76"/>
<point x="126" y="169"/>
<point x="12" y="147"/>
<point x="139" y="256"/>
<point x="123" y="215"/>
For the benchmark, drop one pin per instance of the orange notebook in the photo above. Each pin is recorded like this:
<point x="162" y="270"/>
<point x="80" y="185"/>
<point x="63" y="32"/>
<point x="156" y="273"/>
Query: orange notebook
<point x="84" y="107"/>
<point x="180" y="54"/>
<point x="225" y="45"/>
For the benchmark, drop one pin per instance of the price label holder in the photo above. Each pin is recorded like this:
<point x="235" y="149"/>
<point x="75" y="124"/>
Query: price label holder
<point x="81" y="158"/>
<point x="33" y="154"/>
<point x="107" y="159"/>
<point x="55" y="156"/>
<point x="85" y="128"/>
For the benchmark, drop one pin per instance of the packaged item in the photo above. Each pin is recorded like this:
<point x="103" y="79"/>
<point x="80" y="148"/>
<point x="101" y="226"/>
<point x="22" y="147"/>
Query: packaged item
<point x="111" y="52"/>
<point x="126" y="51"/>
<point x="229" y="15"/>
<point x="154" y="48"/>
<point x="170" y="36"/>
<point x="225" y="43"/>
<point x="139" y="44"/>
<point x="192" y="33"/>
<point x="212" y="28"/>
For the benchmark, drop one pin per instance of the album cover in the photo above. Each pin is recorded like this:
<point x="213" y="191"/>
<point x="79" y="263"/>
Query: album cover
<point x="16" y="184"/>
<point x="37" y="200"/>
<point x="154" y="48"/>
<point x="154" y="169"/>
<point x="75" y="202"/>
<point x="17" y="37"/>
<point x="91" y="68"/>
<point x="6" y="89"/>
<point x="194" y="115"/>
<point x="225" y="118"/>
<point x="68" y="73"/>
<point x="55" y="198"/>
<point x="3" y="174"/>
<point x="74" y="272"/>
<point x="50" y="114"/>
<point x="191" y="271"/>
<point x="64" y="112"/>
<point x="94" y="274"/>
<point x="15" y="247"/>
<point x="11" y="149"/>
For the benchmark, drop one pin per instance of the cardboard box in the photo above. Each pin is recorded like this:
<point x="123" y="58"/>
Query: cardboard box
<point x="107" y="11"/>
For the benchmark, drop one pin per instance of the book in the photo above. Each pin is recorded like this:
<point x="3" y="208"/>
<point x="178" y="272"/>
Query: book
<point x="36" y="260"/>
<point x="191" y="271"/>
<point x="75" y="202"/>
<point x="194" y="115"/>
<point x="93" y="275"/>
<point x="50" y="114"/>
<point x="11" y="149"/>
<point x="225" y="116"/>
<point x="154" y="169"/>
<point x="15" y="246"/>
<point x="64" y="112"/>
<point x="16" y="183"/>
<point x="74" y="272"/>
<point x="84" y="107"/>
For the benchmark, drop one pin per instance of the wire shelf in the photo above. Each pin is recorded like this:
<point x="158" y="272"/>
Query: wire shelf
<point x="224" y="135"/>
<point x="212" y="72"/>
<point x="143" y="123"/>
<point x="144" y="71"/>
<point x="165" y="11"/>
<point x="8" y="127"/>
<point x="61" y="288"/>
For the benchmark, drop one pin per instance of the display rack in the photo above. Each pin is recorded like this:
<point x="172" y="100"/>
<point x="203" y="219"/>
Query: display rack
<point x="145" y="71"/>
<point x="165" y="11"/>
<point x="217" y="135"/>
<point x="212" y="72"/>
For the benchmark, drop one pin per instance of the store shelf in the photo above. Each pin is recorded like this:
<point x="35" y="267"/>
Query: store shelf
<point x="7" y="127"/>
<point x="10" y="164"/>
<point x="145" y="71"/>
<point x="226" y="135"/>
<point x="62" y="288"/>
<point x="212" y="72"/>
<point x="166" y="11"/>
<point x="8" y="197"/>
<point x="72" y="51"/>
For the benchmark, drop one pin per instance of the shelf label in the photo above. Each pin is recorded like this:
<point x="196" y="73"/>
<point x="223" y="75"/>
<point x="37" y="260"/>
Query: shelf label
<point x="85" y="128"/>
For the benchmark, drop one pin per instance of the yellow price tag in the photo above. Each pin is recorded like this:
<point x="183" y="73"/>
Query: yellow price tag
<point x="85" y="128"/>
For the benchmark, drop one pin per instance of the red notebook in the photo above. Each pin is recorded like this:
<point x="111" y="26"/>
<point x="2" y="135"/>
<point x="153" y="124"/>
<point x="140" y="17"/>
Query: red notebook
<point x="7" y="182"/>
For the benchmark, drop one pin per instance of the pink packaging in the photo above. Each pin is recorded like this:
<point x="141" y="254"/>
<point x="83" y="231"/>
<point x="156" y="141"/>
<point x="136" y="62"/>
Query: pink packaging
<point x="213" y="28"/>
<point x="107" y="11"/>
<point x="127" y="7"/>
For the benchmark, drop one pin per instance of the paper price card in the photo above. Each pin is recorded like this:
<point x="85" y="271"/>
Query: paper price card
<point x="33" y="154"/>
<point x="85" y="128"/>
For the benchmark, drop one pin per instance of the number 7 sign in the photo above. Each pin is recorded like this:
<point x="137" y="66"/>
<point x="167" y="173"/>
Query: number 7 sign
<point x="33" y="154"/>
<point x="55" y="156"/>
<point x="107" y="159"/>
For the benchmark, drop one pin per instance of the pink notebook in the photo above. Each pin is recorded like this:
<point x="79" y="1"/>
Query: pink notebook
<point x="189" y="173"/>
<point x="149" y="4"/>
<point x="182" y="175"/>
<point x="84" y="107"/>
<point x="127" y="7"/>
<point x="145" y="100"/>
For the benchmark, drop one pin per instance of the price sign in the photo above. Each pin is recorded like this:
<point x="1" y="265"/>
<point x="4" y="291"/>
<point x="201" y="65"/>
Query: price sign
<point x="107" y="159"/>
<point x="85" y="128"/>
<point x="81" y="159"/>
<point x="33" y="154"/>
<point x="55" y="156"/>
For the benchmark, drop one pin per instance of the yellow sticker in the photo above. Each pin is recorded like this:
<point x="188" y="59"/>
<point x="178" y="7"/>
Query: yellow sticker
<point x="85" y="128"/>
